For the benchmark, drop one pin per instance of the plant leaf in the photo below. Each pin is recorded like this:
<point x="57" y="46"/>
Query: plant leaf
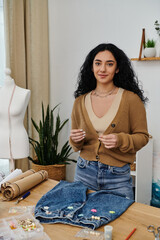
<point x="46" y="148"/>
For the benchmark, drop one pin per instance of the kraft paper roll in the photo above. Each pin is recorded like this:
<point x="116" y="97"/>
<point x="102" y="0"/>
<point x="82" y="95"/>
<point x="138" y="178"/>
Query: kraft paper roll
<point x="12" y="175"/>
<point x="21" y="176"/>
<point x="18" y="187"/>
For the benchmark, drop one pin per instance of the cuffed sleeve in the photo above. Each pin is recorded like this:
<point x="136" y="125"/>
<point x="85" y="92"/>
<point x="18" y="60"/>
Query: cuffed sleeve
<point x="76" y="146"/>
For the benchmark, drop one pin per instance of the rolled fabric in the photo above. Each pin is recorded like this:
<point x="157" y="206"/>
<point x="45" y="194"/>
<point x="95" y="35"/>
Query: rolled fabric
<point x="12" y="180"/>
<point x="18" y="187"/>
<point x="12" y="175"/>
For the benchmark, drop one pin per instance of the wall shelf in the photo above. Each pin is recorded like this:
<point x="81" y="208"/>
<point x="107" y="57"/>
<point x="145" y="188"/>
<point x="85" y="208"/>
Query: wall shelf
<point x="146" y="59"/>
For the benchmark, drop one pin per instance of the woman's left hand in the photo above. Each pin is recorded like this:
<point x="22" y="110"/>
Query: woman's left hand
<point x="109" y="141"/>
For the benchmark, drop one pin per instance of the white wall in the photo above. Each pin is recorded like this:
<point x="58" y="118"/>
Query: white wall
<point x="76" y="26"/>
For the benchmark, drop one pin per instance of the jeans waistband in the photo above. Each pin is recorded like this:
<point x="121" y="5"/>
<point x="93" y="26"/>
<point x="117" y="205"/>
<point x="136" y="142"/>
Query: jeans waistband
<point x="98" y="164"/>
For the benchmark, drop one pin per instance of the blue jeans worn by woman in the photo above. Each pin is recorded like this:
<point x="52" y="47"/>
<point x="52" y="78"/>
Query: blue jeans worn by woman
<point x="98" y="176"/>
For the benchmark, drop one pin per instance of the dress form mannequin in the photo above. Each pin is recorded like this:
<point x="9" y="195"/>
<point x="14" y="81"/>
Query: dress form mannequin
<point x="14" y="143"/>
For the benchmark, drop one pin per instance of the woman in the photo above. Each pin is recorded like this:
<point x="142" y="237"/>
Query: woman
<point x="108" y="121"/>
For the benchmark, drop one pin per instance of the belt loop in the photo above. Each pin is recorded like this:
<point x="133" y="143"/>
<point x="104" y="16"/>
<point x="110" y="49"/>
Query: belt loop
<point x="98" y="164"/>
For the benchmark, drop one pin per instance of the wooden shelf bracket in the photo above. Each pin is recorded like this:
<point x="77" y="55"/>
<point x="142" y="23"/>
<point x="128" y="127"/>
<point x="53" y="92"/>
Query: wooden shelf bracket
<point x="142" y="43"/>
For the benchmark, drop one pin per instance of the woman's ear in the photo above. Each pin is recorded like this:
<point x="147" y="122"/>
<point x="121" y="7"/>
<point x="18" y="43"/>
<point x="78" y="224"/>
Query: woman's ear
<point x="117" y="70"/>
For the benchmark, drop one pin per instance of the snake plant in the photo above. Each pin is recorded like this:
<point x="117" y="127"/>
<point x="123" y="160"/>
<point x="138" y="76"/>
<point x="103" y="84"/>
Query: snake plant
<point x="46" y="148"/>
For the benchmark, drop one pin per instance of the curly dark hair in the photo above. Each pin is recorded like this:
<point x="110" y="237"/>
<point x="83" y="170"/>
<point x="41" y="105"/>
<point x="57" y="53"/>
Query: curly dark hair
<point x="125" y="78"/>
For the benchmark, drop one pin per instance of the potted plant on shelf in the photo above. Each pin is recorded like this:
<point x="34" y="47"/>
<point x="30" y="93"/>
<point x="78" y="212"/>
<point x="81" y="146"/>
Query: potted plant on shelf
<point x="48" y="156"/>
<point x="149" y="50"/>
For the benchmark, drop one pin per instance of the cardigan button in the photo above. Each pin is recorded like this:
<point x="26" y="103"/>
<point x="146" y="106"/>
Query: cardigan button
<point x="97" y="157"/>
<point x="113" y="125"/>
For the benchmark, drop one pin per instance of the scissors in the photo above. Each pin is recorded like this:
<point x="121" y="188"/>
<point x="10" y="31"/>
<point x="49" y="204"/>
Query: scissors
<point x="152" y="229"/>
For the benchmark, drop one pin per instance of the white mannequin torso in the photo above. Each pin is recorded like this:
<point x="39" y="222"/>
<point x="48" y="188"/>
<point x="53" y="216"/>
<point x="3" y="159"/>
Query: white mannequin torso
<point x="15" y="130"/>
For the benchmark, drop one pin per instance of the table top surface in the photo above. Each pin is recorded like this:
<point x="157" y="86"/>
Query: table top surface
<point x="137" y="216"/>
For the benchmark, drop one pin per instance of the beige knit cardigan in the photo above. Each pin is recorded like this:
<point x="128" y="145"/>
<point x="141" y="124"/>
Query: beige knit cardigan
<point x="129" y="125"/>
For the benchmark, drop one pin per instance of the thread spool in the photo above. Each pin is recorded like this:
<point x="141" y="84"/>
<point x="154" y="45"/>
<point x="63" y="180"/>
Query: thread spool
<point x="108" y="232"/>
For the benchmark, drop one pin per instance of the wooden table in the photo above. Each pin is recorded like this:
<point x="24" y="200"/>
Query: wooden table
<point x="137" y="215"/>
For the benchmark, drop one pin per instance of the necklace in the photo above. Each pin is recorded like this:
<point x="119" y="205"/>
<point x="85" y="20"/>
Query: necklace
<point x="105" y="95"/>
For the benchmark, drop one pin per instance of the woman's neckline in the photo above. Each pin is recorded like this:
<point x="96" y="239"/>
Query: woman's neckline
<point x="114" y="100"/>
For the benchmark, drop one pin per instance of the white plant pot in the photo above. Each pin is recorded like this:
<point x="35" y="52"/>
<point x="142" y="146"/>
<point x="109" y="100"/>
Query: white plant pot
<point x="149" y="52"/>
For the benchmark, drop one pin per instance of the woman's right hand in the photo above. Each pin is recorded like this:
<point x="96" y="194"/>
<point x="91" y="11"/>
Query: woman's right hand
<point x="77" y="135"/>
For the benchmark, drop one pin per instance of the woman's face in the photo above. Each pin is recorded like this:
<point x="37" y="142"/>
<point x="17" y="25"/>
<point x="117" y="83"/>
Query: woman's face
<point x="104" y="67"/>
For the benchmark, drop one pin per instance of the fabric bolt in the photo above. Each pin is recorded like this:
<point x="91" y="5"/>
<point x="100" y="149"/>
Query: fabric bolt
<point x="69" y="203"/>
<point x="108" y="178"/>
<point x="20" y="176"/>
<point x="16" y="188"/>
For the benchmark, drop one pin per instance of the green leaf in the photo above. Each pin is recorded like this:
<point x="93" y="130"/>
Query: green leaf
<point x="46" y="148"/>
<point x="35" y="125"/>
<point x="62" y="125"/>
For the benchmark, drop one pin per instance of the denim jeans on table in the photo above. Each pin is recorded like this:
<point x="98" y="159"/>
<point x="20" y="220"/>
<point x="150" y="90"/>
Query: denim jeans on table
<point x="69" y="203"/>
<point x="98" y="176"/>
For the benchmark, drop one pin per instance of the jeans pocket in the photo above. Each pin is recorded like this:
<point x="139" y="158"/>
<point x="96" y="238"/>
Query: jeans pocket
<point x="81" y="162"/>
<point x="121" y="170"/>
